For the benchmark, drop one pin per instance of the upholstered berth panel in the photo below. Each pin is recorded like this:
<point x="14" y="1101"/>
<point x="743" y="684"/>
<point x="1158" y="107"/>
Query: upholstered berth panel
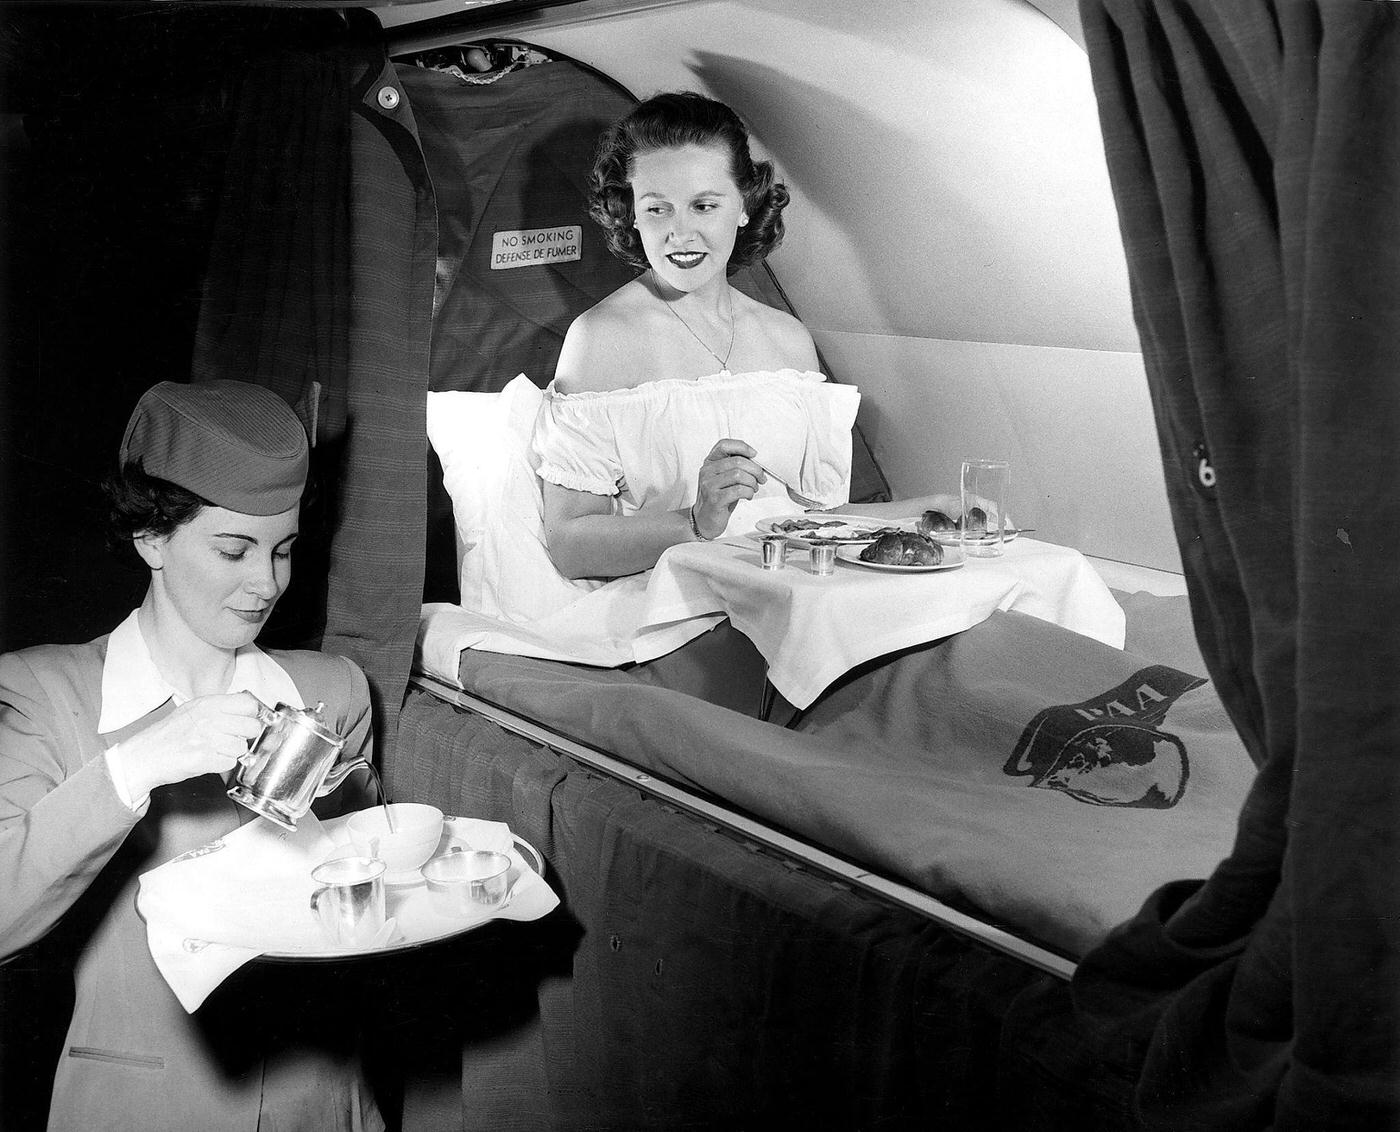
<point x="708" y="983"/>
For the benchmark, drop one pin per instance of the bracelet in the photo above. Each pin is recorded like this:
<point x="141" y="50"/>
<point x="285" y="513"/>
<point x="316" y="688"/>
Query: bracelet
<point x="695" y="527"/>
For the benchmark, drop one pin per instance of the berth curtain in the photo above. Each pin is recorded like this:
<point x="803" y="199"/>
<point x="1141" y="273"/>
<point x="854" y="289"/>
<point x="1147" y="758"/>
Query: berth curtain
<point x="320" y="286"/>
<point x="1254" y="152"/>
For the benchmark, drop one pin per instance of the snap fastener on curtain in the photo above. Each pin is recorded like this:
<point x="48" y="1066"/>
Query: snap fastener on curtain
<point x="388" y="97"/>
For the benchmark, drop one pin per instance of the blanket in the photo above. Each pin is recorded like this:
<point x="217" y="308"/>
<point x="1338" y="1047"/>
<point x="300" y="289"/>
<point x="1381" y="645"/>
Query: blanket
<point x="1042" y="779"/>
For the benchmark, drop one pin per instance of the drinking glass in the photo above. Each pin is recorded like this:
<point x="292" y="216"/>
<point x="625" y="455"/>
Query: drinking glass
<point x="983" y="507"/>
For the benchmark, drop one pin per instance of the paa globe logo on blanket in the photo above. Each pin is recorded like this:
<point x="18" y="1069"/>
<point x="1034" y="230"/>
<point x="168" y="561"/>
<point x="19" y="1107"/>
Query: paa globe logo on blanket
<point x="531" y="247"/>
<point x="1110" y="750"/>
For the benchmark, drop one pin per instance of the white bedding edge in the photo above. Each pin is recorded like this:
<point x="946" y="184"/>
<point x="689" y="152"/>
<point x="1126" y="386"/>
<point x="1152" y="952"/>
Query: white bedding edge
<point x="445" y="630"/>
<point x="603" y="628"/>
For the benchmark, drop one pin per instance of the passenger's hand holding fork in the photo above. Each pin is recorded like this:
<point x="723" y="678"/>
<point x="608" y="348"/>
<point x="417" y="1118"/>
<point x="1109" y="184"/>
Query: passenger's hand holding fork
<point x="728" y="475"/>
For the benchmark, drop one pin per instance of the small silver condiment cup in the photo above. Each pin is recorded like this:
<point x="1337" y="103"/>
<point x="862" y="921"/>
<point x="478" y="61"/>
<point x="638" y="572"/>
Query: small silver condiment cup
<point x="774" y="552"/>
<point x="823" y="558"/>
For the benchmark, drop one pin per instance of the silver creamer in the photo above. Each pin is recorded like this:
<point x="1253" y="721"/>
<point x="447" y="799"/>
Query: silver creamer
<point x="292" y="762"/>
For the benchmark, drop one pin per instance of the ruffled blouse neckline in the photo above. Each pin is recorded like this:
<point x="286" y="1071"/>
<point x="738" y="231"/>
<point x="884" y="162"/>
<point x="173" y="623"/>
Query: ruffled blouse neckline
<point x="664" y="385"/>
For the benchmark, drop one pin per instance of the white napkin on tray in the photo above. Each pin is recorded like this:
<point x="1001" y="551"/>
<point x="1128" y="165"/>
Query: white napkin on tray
<point x="478" y="833"/>
<point x="213" y="909"/>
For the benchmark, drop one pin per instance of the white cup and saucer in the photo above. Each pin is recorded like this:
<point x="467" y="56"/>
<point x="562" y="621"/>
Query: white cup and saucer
<point x="403" y="838"/>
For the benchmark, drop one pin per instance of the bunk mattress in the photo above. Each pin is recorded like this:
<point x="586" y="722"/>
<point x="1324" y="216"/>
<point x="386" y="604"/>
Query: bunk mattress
<point x="1037" y="778"/>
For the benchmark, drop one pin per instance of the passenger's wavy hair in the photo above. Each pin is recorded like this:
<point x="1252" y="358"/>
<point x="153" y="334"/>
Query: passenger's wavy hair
<point x="667" y="121"/>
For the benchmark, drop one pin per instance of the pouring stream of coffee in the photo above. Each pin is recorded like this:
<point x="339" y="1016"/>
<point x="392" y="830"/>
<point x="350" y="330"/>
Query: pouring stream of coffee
<point x="383" y="799"/>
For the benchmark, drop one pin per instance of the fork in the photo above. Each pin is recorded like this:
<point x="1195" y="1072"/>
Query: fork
<point x="797" y="496"/>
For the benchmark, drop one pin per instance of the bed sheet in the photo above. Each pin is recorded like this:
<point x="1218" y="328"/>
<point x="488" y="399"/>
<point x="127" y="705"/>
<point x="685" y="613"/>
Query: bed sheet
<point x="1042" y="779"/>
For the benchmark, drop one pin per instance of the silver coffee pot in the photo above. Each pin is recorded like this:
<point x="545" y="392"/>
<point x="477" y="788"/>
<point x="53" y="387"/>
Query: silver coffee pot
<point x="291" y="763"/>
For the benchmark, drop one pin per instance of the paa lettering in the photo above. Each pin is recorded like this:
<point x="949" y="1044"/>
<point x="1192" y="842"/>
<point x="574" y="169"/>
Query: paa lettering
<point x="1146" y="695"/>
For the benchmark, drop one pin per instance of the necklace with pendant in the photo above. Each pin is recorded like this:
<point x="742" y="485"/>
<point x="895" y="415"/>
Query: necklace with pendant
<point x="723" y="361"/>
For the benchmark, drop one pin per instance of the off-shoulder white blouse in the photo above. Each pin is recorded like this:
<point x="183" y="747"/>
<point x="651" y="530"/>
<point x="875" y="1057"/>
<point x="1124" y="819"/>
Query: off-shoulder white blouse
<point x="645" y="445"/>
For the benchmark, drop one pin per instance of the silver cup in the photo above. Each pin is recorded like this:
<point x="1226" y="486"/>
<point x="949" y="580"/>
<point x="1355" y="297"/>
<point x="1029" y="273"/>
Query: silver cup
<point x="774" y="552"/>
<point x="349" y="905"/>
<point x="466" y="880"/>
<point x="823" y="558"/>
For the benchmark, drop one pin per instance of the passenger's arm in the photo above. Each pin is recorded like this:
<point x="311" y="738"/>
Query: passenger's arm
<point x="587" y="540"/>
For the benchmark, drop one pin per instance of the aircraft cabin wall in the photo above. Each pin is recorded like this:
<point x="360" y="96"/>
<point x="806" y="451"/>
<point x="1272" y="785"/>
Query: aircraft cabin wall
<point x="952" y="241"/>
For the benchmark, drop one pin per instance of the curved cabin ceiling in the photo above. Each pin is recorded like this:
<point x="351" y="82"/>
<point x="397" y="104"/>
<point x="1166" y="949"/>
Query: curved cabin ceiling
<point x="962" y="125"/>
<point x="952" y="241"/>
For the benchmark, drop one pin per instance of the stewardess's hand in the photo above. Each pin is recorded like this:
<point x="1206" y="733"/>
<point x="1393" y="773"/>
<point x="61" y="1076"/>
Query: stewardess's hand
<point x="206" y="735"/>
<point x="727" y="476"/>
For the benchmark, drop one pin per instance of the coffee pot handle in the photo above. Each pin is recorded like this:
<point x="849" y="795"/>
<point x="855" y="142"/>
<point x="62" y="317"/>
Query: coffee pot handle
<point x="267" y="717"/>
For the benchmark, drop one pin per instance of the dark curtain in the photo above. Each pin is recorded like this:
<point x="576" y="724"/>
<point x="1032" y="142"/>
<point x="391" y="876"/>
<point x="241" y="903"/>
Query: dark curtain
<point x="275" y="307"/>
<point x="320" y="286"/>
<point x="1254" y="151"/>
<point x="282" y="233"/>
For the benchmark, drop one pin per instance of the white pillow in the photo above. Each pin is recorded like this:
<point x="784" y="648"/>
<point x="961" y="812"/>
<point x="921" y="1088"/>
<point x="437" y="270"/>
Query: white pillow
<point x="483" y="443"/>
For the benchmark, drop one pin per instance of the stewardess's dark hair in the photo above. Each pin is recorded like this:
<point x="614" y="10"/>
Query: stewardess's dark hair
<point x="667" y="121"/>
<point x="142" y="504"/>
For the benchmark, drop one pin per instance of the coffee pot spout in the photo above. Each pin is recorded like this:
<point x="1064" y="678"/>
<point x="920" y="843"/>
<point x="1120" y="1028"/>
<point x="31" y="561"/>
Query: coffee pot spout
<point x="338" y="773"/>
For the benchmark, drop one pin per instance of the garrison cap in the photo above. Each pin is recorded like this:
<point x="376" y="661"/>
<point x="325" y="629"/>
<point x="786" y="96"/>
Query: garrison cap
<point x="239" y="446"/>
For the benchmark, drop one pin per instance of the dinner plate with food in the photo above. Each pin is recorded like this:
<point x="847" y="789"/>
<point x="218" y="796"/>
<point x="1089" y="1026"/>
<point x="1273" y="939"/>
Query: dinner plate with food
<point x="903" y="551"/>
<point x="840" y="530"/>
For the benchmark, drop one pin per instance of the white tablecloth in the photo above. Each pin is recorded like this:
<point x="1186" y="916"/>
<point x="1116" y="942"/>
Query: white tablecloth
<point x="812" y="629"/>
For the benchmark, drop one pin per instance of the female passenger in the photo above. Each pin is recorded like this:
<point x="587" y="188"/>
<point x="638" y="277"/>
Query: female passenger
<point x="114" y="757"/>
<point x="631" y="440"/>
